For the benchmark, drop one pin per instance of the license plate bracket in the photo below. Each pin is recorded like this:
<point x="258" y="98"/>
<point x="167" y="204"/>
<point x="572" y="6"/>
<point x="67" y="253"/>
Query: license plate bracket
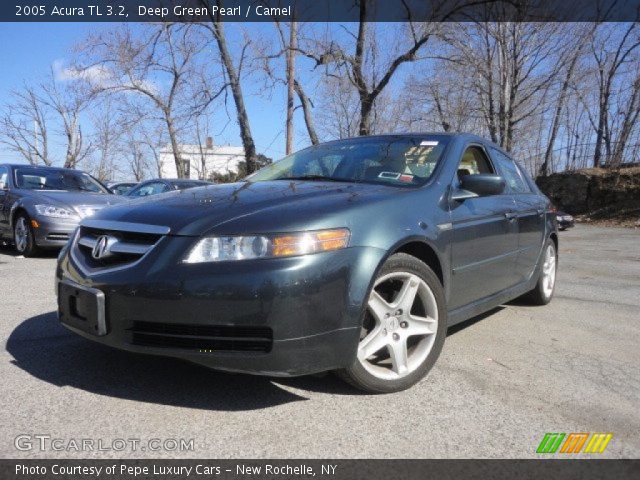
<point x="82" y="308"/>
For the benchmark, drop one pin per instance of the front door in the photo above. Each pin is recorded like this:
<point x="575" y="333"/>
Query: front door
<point x="485" y="238"/>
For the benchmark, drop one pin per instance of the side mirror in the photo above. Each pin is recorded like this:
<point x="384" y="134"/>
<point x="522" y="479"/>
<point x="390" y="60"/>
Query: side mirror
<point x="479" y="185"/>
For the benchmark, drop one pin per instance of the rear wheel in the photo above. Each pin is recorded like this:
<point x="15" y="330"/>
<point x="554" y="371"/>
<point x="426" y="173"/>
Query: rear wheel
<point x="403" y="328"/>
<point x="23" y="238"/>
<point x="543" y="291"/>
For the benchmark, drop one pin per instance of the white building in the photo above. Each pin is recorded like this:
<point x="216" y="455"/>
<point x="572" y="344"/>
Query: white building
<point x="202" y="160"/>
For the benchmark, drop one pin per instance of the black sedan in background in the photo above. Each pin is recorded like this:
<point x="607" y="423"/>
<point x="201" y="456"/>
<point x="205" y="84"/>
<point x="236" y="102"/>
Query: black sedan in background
<point x="564" y="220"/>
<point x="162" y="185"/>
<point x="41" y="206"/>
<point x="354" y="255"/>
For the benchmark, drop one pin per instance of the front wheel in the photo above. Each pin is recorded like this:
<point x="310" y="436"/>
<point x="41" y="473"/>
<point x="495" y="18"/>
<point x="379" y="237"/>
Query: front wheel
<point x="23" y="238"/>
<point x="403" y="328"/>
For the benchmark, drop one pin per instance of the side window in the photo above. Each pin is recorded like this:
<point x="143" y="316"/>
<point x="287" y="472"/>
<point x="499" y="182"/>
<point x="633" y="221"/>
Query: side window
<point x="510" y="172"/>
<point x="3" y="177"/>
<point x="148" y="189"/>
<point x="474" y="161"/>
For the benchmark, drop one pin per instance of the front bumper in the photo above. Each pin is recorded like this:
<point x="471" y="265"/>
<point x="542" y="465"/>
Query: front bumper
<point x="312" y="305"/>
<point x="53" y="232"/>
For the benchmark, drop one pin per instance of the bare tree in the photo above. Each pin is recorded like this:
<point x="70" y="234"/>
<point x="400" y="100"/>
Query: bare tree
<point x="161" y="64"/>
<point x="23" y="127"/>
<point x="358" y="58"/>
<point x="630" y="113"/>
<point x="107" y="140"/>
<point x="68" y="100"/>
<point x="574" y="51"/>
<point x="287" y="48"/>
<point x="233" y="75"/>
<point x="509" y="66"/>
<point x="611" y="56"/>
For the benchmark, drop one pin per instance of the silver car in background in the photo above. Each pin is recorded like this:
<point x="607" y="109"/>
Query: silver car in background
<point x="40" y="207"/>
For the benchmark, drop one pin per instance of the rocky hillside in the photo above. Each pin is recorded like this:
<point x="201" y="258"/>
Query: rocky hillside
<point x="597" y="194"/>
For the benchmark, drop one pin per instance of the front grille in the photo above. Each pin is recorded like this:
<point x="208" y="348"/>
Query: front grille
<point x="123" y="243"/>
<point x="202" y="338"/>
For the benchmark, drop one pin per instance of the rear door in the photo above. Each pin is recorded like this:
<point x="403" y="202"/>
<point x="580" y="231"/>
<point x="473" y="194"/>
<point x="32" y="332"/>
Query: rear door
<point x="530" y="210"/>
<point x="485" y="237"/>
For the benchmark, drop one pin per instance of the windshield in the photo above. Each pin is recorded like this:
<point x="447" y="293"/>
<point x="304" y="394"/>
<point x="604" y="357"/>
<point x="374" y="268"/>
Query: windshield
<point x="394" y="160"/>
<point x="50" y="179"/>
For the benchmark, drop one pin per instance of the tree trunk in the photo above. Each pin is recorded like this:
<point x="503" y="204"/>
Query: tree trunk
<point x="308" y="118"/>
<point x="597" y="156"/>
<point x="555" y="125"/>
<point x="175" y="148"/>
<point x="630" y="120"/>
<point x="366" y="107"/>
<point x="291" y="72"/>
<point x="236" y="90"/>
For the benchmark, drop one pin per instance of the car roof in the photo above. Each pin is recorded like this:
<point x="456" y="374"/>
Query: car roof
<point x="174" y="180"/>
<point x="460" y="135"/>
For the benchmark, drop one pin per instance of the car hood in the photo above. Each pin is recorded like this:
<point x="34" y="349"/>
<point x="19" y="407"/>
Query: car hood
<point x="236" y="207"/>
<point x="73" y="199"/>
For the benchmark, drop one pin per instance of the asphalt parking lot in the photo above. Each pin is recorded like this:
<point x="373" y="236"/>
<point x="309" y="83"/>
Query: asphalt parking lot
<point x="502" y="382"/>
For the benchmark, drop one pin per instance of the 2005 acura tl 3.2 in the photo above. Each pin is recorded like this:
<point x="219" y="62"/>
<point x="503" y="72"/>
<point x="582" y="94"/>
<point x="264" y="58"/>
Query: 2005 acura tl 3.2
<point x="353" y="255"/>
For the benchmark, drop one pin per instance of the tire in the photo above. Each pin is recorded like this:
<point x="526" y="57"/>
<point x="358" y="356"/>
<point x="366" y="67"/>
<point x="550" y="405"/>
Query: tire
<point x="23" y="238"/>
<point x="543" y="291"/>
<point x="404" y="326"/>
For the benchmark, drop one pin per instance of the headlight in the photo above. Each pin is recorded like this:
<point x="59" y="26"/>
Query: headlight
<point x="86" y="211"/>
<point x="53" y="211"/>
<point x="221" y="249"/>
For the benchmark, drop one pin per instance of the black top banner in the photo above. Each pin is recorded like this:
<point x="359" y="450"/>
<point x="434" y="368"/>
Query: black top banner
<point x="319" y="10"/>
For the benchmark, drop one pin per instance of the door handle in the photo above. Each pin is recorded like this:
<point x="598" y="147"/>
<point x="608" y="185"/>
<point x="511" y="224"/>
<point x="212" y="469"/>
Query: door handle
<point x="510" y="216"/>
<point x="540" y="211"/>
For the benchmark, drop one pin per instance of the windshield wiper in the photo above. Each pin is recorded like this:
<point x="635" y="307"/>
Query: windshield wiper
<point x="316" y="178"/>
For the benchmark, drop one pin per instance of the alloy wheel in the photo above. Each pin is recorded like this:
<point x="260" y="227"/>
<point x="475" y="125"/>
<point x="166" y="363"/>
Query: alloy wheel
<point x="400" y="326"/>
<point x="549" y="270"/>
<point x="21" y="234"/>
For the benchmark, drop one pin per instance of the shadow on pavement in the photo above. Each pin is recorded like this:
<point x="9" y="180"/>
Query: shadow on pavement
<point x="45" y="349"/>
<point x="7" y="249"/>
<point x="472" y="321"/>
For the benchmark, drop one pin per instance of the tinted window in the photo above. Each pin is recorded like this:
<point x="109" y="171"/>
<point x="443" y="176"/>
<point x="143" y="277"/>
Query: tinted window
<point x="185" y="185"/>
<point x="510" y="172"/>
<point x="122" y="189"/>
<point x="52" y="179"/>
<point x="393" y="160"/>
<point x="3" y="176"/>
<point x="148" y="189"/>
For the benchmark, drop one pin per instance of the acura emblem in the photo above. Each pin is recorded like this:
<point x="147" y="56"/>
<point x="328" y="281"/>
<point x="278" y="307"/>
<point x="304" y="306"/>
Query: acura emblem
<point x="102" y="247"/>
